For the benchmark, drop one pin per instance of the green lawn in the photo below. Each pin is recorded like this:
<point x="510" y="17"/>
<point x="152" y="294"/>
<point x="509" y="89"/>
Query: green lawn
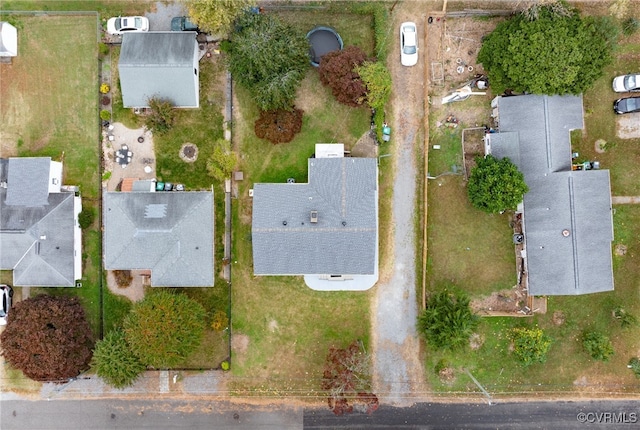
<point x="567" y="366"/>
<point x="474" y="251"/>
<point x="288" y="326"/>
<point x="49" y="108"/>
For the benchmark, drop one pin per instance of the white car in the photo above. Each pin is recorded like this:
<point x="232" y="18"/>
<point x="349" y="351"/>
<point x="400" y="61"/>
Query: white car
<point x="127" y="24"/>
<point x="626" y="83"/>
<point x="408" y="44"/>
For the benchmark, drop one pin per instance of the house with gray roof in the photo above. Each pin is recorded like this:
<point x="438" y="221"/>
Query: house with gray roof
<point x="567" y="213"/>
<point x="162" y="65"/>
<point x="325" y="230"/>
<point x="40" y="238"/>
<point x="169" y="233"/>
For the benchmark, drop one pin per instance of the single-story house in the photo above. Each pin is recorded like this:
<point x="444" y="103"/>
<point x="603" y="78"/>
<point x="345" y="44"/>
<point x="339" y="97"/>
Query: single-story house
<point x="325" y="230"/>
<point x="567" y="213"/>
<point x="40" y="238"/>
<point x="8" y="40"/>
<point x="169" y="233"/>
<point x="160" y="64"/>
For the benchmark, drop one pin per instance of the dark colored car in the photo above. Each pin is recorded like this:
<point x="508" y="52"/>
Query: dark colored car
<point x="628" y="105"/>
<point x="6" y="293"/>
<point x="182" y="23"/>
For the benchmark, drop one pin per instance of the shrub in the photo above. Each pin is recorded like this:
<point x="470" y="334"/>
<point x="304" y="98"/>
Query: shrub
<point x="48" y="338"/>
<point x="164" y="328"/>
<point x="279" y="126"/>
<point x="105" y="115"/>
<point x="104" y="88"/>
<point x="447" y="322"/>
<point x="530" y="345"/>
<point x="220" y="321"/>
<point x="114" y="362"/>
<point x="377" y="80"/>
<point x="597" y="345"/>
<point x="338" y="71"/>
<point x="634" y="365"/>
<point x="161" y="115"/>
<point x="86" y="217"/>
<point x="224" y="365"/>
<point x="630" y="26"/>
<point x="625" y="318"/>
<point x="104" y="49"/>
<point x="105" y="100"/>
<point x="123" y="278"/>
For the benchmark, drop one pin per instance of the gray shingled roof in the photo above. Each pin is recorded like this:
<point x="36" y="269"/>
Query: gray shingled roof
<point x="36" y="242"/>
<point x="344" y="193"/>
<point x="169" y="233"/>
<point x="28" y="181"/>
<point x="559" y="199"/>
<point x="159" y="64"/>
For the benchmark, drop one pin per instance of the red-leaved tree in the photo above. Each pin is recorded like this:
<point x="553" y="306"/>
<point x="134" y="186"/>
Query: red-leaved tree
<point x="48" y="338"/>
<point x="279" y="126"/>
<point x="346" y="377"/>
<point x="338" y="72"/>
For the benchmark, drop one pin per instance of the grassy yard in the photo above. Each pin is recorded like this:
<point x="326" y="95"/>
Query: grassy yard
<point x="474" y="251"/>
<point x="622" y="156"/>
<point x="288" y="326"/>
<point x="282" y="328"/>
<point x="48" y="100"/>
<point x="568" y="367"/>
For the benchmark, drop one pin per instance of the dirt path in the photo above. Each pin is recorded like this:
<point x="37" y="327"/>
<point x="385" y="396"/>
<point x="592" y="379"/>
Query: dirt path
<point x="398" y="371"/>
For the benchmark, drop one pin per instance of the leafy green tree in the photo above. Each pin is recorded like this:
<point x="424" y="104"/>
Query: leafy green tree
<point x="551" y="50"/>
<point x="164" y="328"/>
<point x="222" y="161"/>
<point x="114" y="361"/>
<point x="216" y="16"/>
<point x="597" y="345"/>
<point x="161" y="115"/>
<point x="447" y="322"/>
<point x="495" y="185"/>
<point x="48" y="338"/>
<point x="268" y="58"/>
<point x="531" y="345"/>
<point x="377" y="80"/>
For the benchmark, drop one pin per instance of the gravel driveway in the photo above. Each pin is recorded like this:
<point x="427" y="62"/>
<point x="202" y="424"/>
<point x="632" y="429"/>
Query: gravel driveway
<point x="398" y="373"/>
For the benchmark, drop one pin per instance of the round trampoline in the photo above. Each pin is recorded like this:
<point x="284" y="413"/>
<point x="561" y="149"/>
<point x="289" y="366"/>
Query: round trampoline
<point x="323" y="40"/>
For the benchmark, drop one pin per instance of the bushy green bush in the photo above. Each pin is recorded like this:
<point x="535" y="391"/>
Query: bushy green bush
<point x="161" y="115"/>
<point x="530" y="345"/>
<point x="634" y="365"/>
<point x="630" y="26"/>
<point x="597" y="345"/>
<point x="625" y="318"/>
<point x="447" y="322"/>
<point x="105" y="115"/>
<point x="114" y="361"/>
<point x="86" y="217"/>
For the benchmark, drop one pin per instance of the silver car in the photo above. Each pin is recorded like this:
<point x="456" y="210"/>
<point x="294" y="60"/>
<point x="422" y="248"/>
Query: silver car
<point x="6" y="293"/>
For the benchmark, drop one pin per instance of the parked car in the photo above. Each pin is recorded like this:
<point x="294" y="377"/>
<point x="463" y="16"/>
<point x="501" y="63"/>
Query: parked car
<point x="408" y="44"/>
<point x="182" y="23"/>
<point x="626" y="83"/>
<point x="127" y="24"/>
<point x="628" y="105"/>
<point x="6" y="294"/>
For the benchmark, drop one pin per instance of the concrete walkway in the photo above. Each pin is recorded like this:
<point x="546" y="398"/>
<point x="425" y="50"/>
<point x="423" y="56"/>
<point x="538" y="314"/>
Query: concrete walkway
<point x="625" y="200"/>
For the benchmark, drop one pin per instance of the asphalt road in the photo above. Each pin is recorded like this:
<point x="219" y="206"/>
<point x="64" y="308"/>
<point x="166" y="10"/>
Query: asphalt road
<point x="172" y="414"/>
